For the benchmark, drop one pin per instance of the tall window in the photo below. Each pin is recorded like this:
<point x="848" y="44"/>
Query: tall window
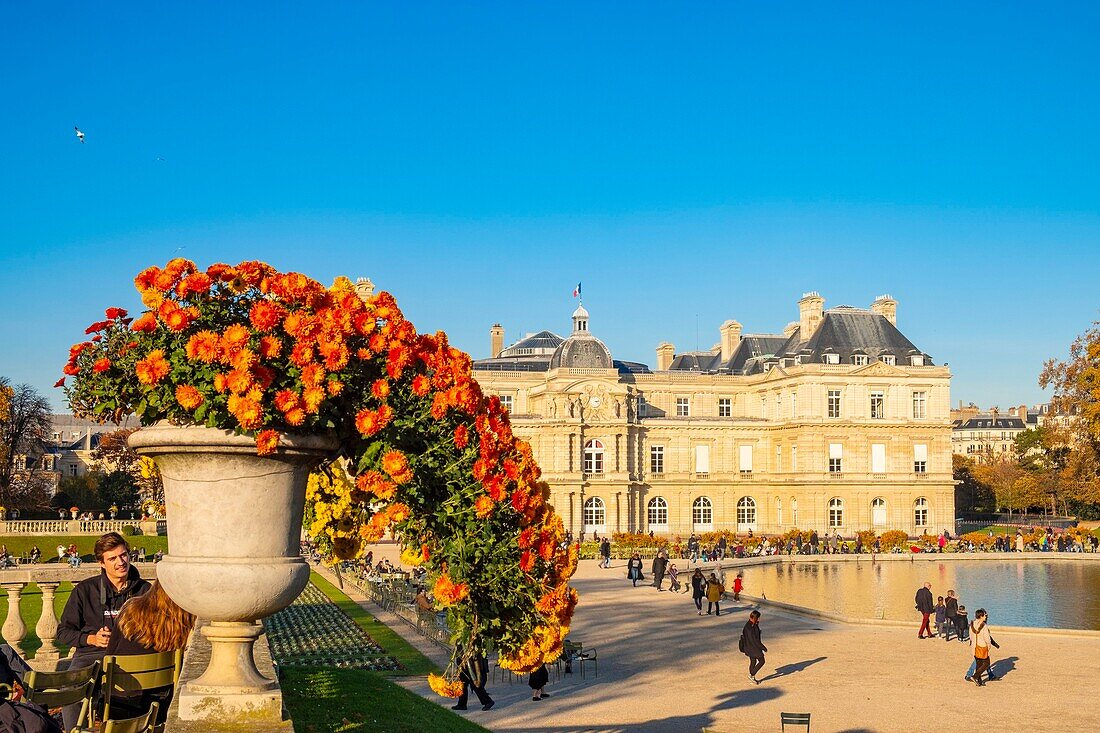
<point x="919" y="401"/>
<point x="506" y="402"/>
<point x="593" y="457"/>
<point x="595" y="514"/>
<point x="683" y="407"/>
<point x="836" y="512"/>
<point x="920" y="512"/>
<point x="794" y="457"/>
<point x="657" y="509"/>
<point x="744" y="458"/>
<point x="778" y="512"/>
<point x="725" y="407"/>
<point x="794" y="404"/>
<point x="656" y="459"/>
<point x="878" y="513"/>
<point x="746" y="510"/>
<point x="920" y="458"/>
<point x="834" y="403"/>
<point x="702" y="512"/>
<point x="778" y="459"/>
<point x="878" y="458"/>
<point x="794" y="511"/>
<point x="836" y="457"/>
<point x="878" y="404"/>
<point x="702" y="459"/>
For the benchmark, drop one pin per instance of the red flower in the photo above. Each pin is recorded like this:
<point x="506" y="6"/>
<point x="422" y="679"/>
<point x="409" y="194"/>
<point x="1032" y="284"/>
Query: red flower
<point x="60" y="382"/>
<point x="101" y="365"/>
<point x="97" y="326"/>
<point x="113" y="313"/>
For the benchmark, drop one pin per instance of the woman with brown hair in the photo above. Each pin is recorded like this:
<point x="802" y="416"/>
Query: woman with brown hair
<point x="148" y="624"/>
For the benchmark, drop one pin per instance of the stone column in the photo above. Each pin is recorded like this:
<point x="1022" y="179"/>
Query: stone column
<point x="14" y="629"/>
<point x="48" y="655"/>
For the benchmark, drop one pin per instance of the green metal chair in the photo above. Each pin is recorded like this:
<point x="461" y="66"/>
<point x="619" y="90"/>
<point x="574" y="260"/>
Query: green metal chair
<point x="802" y="719"/>
<point x="134" y="673"/>
<point x="58" y="689"/>
<point x="146" y="723"/>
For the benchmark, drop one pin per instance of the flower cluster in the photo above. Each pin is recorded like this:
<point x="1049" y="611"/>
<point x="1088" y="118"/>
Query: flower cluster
<point x="424" y="454"/>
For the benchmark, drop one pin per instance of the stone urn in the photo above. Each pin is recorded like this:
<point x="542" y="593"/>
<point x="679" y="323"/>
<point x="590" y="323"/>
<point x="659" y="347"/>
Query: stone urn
<point x="74" y="513"/>
<point x="234" y="523"/>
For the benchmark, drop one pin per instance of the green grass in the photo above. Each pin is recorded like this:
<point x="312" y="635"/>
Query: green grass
<point x="21" y="544"/>
<point x="337" y="700"/>
<point x="414" y="662"/>
<point x="30" y="608"/>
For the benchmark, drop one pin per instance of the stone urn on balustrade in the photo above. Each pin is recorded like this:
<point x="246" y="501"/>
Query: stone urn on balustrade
<point x="234" y="525"/>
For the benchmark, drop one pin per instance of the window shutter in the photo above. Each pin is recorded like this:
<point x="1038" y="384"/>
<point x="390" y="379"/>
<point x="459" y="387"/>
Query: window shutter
<point x="745" y="458"/>
<point x="702" y="459"/>
<point x="878" y="458"/>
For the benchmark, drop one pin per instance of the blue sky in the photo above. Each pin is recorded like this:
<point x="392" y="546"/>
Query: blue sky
<point x="689" y="164"/>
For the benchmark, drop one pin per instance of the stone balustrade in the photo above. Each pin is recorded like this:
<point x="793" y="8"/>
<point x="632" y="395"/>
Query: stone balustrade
<point x="15" y="582"/>
<point x="79" y="526"/>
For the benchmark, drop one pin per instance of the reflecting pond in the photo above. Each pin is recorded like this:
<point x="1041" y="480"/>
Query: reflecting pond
<point x="1057" y="594"/>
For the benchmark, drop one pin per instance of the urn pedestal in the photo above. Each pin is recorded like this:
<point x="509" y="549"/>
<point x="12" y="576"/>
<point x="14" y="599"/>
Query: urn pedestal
<point x="234" y="523"/>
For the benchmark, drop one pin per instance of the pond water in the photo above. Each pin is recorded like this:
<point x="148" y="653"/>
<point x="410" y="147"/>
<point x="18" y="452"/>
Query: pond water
<point x="1054" y="594"/>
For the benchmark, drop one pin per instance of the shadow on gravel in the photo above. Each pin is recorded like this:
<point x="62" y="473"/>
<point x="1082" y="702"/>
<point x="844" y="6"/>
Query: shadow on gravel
<point x="787" y="669"/>
<point x="1003" y="666"/>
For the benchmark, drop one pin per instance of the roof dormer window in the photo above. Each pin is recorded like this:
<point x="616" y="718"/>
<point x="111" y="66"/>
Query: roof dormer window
<point x="830" y="358"/>
<point x="859" y="359"/>
<point x="887" y="359"/>
<point x="917" y="360"/>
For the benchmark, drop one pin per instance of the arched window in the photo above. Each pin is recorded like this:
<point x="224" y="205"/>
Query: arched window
<point x="595" y="514"/>
<point x="658" y="513"/>
<point x="702" y="514"/>
<point x="920" y="512"/>
<point x="746" y="513"/>
<point x="593" y="457"/>
<point x="878" y="513"/>
<point x="794" y="511"/>
<point x="836" y="513"/>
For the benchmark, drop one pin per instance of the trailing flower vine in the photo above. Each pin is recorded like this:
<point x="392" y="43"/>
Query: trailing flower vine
<point x="423" y="453"/>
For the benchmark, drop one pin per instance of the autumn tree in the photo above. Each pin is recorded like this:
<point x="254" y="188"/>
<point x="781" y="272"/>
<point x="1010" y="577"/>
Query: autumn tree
<point x="114" y="454"/>
<point x="24" y="427"/>
<point x="1014" y="488"/>
<point x="971" y="495"/>
<point x="1076" y="385"/>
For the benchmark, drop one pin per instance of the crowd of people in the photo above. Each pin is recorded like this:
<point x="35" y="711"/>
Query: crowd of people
<point x="951" y="618"/>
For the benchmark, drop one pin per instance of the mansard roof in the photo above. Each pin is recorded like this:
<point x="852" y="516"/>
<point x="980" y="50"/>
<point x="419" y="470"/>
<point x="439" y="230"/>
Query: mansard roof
<point x="543" y="342"/>
<point x="987" y="422"/>
<point x="846" y="331"/>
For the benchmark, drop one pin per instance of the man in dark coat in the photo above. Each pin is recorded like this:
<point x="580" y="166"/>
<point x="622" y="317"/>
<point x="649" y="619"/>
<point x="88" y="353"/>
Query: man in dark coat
<point x="659" y="564"/>
<point x="474" y="675"/>
<point x="605" y="553"/>
<point x="751" y="646"/>
<point x="925" y="605"/>
<point x="951" y="606"/>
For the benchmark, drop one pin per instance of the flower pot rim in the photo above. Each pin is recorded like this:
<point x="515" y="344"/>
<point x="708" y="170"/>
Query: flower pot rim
<point x="163" y="434"/>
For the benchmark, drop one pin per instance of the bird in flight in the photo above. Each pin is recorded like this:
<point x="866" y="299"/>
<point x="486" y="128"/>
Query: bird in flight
<point x="79" y="134"/>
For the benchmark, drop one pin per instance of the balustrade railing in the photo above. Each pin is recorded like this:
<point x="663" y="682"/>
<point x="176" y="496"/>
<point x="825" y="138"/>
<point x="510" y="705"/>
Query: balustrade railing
<point x="14" y="630"/>
<point x="79" y="526"/>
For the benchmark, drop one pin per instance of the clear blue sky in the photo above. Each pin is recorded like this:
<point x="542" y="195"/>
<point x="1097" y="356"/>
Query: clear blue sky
<point x="688" y="163"/>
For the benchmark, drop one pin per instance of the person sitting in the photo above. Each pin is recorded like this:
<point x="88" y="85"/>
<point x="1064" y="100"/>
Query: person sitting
<point x="36" y="554"/>
<point x="141" y="554"/>
<point x="147" y="624"/>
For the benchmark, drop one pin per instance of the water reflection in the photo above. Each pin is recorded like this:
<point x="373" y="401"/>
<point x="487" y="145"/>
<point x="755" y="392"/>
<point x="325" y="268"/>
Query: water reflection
<point x="1059" y="594"/>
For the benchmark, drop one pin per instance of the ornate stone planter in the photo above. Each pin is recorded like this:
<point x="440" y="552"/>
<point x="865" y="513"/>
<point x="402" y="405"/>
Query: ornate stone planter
<point x="234" y="523"/>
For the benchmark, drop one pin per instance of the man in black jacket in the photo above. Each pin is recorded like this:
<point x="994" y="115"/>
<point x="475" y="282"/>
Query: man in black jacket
<point x="89" y="616"/>
<point x="751" y="646"/>
<point x="926" y="606"/>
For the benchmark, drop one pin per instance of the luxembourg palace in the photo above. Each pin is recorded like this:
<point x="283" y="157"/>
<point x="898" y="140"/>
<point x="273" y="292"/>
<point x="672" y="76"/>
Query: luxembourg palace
<point x="839" y="422"/>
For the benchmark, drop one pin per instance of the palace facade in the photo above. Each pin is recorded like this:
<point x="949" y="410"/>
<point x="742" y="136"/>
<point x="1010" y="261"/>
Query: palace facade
<point x="839" y="422"/>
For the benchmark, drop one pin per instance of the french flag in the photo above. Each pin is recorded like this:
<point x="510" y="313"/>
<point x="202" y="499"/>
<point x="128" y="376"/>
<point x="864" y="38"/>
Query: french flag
<point x="577" y="291"/>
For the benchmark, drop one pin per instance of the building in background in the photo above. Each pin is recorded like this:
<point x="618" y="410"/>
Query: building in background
<point x="838" y="422"/>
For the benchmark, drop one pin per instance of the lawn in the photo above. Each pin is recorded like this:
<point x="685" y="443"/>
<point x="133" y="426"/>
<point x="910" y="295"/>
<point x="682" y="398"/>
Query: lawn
<point x="21" y="545"/>
<point x="323" y="700"/>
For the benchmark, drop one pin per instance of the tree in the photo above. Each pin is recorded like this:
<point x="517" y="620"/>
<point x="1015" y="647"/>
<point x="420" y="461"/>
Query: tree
<point x="114" y="454"/>
<point x="971" y="495"/>
<point x="24" y="426"/>
<point x="1013" y="487"/>
<point x="119" y="489"/>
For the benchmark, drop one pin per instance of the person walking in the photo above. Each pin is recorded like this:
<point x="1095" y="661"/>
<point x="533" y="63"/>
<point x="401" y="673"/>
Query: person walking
<point x="714" y="594"/>
<point x="951" y="611"/>
<point x="605" y="553"/>
<point x="738" y="586"/>
<point x="926" y="607"/>
<point x="980" y="643"/>
<point x="660" y="562"/>
<point x="698" y="589"/>
<point x="673" y="578"/>
<point x="751" y="645"/>
<point x="474" y="675"/>
<point x="634" y="569"/>
<point x="941" y="617"/>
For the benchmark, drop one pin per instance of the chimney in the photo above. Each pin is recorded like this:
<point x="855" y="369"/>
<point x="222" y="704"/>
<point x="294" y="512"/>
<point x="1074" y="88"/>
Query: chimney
<point x="810" y="310"/>
<point x="731" y="337"/>
<point x="88" y="440"/>
<point x="790" y="328"/>
<point x="496" y="340"/>
<point x="887" y="307"/>
<point x="665" y="352"/>
<point x="364" y="287"/>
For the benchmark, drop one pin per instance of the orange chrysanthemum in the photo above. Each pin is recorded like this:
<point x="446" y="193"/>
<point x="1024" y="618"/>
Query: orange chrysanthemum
<point x="234" y="339"/>
<point x="295" y="416"/>
<point x="152" y="368"/>
<point x="447" y="592"/>
<point x="380" y="390"/>
<point x="270" y="347"/>
<point x="204" y="346"/>
<point x="265" y="315"/>
<point x="101" y="365"/>
<point x="421" y="385"/>
<point x="189" y="396"/>
<point x="313" y="375"/>
<point x="483" y="506"/>
<point x="396" y="464"/>
<point x="266" y="442"/>
<point x="444" y="687"/>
